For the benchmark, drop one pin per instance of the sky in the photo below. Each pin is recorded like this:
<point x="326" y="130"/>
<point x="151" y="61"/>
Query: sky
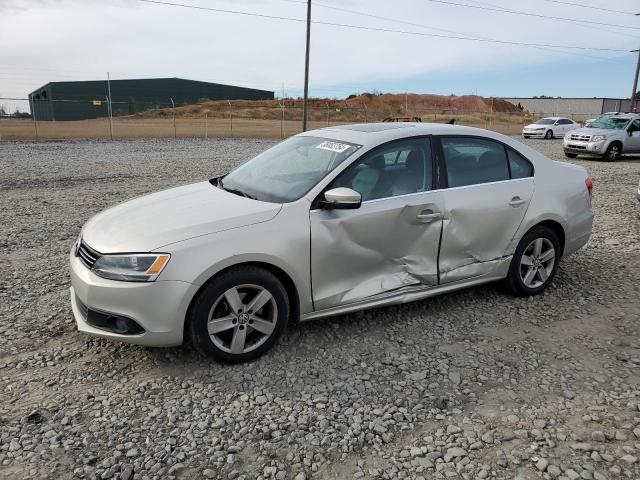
<point x="58" y="40"/>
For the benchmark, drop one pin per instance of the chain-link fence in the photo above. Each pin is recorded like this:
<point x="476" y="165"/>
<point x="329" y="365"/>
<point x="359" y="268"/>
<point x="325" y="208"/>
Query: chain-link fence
<point x="266" y="119"/>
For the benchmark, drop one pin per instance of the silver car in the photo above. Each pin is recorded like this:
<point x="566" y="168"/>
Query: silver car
<point x="327" y="222"/>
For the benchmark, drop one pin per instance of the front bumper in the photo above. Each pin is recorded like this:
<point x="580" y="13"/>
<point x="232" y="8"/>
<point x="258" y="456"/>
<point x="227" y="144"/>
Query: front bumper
<point x="589" y="148"/>
<point x="158" y="307"/>
<point x="534" y="133"/>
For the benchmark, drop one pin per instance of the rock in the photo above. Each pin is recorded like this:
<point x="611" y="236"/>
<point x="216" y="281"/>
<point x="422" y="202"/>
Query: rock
<point x="572" y="474"/>
<point x="33" y="418"/>
<point x="261" y="399"/>
<point x="598" y="436"/>
<point x="208" y="473"/>
<point x="629" y="459"/>
<point x="452" y="429"/>
<point x="582" y="447"/>
<point x="456" y="452"/>
<point x="455" y="378"/>
<point x="554" y="471"/>
<point x="542" y="464"/>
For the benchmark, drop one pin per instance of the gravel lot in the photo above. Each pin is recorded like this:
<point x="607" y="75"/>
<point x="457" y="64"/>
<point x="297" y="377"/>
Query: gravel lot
<point x="475" y="384"/>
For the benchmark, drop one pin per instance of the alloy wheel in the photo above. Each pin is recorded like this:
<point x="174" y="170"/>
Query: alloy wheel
<point x="537" y="262"/>
<point x="614" y="152"/>
<point x="242" y="318"/>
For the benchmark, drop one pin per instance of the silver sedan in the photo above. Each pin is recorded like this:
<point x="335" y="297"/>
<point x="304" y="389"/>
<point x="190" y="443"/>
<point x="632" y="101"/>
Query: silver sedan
<point x="324" y="223"/>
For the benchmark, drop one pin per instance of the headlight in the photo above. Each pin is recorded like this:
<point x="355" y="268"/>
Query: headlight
<point x="142" y="267"/>
<point x="598" y="138"/>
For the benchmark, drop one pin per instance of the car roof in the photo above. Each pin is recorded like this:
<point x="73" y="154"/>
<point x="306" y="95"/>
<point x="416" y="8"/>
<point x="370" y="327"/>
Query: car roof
<point x="371" y="134"/>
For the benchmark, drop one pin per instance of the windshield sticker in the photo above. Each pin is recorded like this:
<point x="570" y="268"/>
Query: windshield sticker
<point x="333" y="146"/>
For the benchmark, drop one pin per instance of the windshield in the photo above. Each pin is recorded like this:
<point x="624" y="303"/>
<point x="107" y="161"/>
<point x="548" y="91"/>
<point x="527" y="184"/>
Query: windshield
<point x="545" y="121"/>
<point x="610" y="123"/>
<point x="288" y="170"/>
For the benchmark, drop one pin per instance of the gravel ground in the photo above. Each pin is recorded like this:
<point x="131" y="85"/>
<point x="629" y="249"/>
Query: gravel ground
<point x="475" y="384"/>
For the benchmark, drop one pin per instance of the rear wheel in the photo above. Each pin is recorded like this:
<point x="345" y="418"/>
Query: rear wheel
<point x="613" y="152"/>
<point x="239" y="315"/>
<point x="535" y="262"/>
<point x="570" y="155"/>
<point x="548" y="135"/>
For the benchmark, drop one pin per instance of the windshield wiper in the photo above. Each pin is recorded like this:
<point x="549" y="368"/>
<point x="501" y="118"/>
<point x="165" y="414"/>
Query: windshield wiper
<point x="235" y="191"/>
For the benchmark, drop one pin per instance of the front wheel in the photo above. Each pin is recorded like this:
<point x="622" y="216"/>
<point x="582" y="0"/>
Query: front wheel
<point x="239" y="315"/>
<point x="613" y="152"/>
<point x="548" y="135"/>
<point x="535" y="262"/>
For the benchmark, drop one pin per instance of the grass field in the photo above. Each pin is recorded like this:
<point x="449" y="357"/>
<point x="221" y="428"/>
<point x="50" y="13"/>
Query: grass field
<point x="136" y="127"/>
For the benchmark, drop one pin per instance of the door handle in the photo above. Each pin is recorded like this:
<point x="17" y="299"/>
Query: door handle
<point x="516" y="202"/>
<point x="427" y="216"/>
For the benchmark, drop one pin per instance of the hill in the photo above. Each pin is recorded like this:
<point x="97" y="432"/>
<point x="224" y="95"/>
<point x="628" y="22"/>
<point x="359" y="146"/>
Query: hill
<point x="367" y="107"/>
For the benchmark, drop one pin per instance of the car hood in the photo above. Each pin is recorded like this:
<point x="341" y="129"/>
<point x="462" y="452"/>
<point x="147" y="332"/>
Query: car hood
<point x="596" y="131"/>
<point x="533" y="125"/>
<point x="149" y="222"/>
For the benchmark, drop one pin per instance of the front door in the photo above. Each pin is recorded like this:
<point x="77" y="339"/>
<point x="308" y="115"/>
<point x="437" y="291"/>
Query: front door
<point x="392" y="240"/>
<point x="489" y="189"/>
<point x="632" y="143"/>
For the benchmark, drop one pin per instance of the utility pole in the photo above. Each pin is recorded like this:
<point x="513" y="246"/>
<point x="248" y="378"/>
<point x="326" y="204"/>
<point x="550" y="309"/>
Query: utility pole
<point x="110" y="107"/>
<point x="306" y="69"/>
<point x="173" y="109"/>
<point x="632" y="106"/>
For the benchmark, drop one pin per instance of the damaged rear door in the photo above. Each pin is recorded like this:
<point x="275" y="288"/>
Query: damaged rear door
<point x="488" y="190"/>
<point x="392" y="240"/>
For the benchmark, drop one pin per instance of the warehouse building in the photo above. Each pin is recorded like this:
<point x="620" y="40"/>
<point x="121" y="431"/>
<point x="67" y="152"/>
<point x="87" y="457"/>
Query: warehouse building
<point x="88" y="99"/>
<point x="577" y="108"/>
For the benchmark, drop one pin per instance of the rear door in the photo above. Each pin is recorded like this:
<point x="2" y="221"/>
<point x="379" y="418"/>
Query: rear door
<point x="392" y="240"/>
<point x="488" y="189"/>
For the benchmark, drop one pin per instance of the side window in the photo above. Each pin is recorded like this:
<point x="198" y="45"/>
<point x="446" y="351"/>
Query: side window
<point x="400" y="168"/>
<point x="520" y="166"/>
<point x="635" y="126"/>
<point x="472" y="161"/>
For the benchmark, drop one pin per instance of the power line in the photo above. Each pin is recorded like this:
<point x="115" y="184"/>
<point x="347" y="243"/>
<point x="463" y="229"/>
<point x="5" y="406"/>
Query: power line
<point x="387" y="30"/>
<point x="520" y="12"/>
<point x="429" y="27"/>
<point x="603" y="9"/>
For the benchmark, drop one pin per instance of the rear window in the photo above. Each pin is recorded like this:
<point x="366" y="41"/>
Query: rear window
<point x="472" y="161"/>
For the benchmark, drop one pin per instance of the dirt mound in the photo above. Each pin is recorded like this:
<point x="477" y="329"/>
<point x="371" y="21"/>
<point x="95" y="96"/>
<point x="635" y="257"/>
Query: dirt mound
<point x="366" y="106"/>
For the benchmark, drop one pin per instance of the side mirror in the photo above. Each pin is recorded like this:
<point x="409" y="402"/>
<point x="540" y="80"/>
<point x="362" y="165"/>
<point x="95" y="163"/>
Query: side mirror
<point x="557" y="123"/>
<point x="341" y="198"/>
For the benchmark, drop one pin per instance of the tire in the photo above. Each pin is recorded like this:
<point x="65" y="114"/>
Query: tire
<point x="613" y="152"/>
<point x="548" y="135"/>
<point x="570" y="155"/>
<point x="236" y="338"/>
<point x="519" y="280"/>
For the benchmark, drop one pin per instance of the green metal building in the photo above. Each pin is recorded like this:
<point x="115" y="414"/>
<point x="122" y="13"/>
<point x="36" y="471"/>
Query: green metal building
<point x="88" y="99"/>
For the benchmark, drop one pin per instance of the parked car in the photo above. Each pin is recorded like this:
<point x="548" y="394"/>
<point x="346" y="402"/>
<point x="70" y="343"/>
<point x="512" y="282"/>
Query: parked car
<point x="549" y="128"/>
<point x="608" y="137"/>
<point x="324" y="223"/>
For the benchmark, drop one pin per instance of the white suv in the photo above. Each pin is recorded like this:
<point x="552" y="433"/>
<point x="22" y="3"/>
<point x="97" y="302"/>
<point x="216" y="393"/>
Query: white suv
<point x="608" y="137"/>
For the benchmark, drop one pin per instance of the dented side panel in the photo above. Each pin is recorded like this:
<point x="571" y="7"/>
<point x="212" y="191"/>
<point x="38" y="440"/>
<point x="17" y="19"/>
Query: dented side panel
<point x="478" y="226"/>
<point x="380" y="247"/>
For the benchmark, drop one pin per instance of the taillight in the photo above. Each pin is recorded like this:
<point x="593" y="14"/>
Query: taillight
<point x="589" y="183"/>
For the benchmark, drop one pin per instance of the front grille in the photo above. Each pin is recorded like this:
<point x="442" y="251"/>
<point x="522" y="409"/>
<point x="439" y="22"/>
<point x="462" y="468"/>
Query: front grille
<point x="578" y="147"/>
<point x="87" y="255"/>
<point x="580" y="137"/>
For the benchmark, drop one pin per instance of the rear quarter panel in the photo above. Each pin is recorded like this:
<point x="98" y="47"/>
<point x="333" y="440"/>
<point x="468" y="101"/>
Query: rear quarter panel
<point x="560" y="195"/>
